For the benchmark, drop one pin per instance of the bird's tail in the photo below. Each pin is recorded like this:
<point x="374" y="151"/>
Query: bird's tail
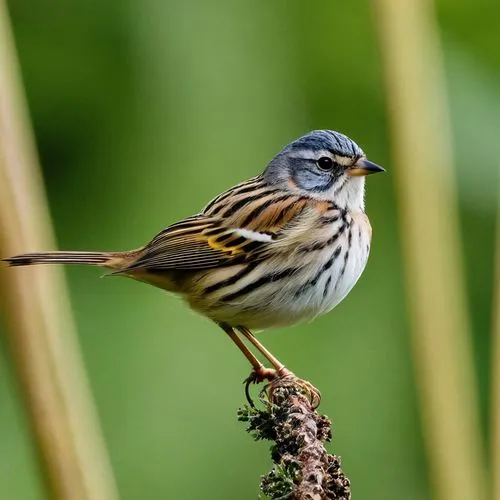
<point x="111" y="260"/>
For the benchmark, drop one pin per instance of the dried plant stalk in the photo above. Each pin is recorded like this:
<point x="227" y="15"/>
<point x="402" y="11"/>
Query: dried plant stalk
<point x="426" y="193"/>
<point x="303" y="469"/>
<point x="41" y="333"/>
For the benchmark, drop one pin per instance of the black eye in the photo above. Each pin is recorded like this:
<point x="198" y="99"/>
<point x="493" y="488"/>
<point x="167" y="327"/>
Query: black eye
<point x="325" y="163"/>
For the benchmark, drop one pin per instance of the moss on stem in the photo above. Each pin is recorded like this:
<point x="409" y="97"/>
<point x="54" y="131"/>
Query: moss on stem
<point x="303" y="469"/>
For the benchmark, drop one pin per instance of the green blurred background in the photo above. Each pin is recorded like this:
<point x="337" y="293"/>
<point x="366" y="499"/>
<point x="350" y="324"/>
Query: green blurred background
<point x="143" y="111"/>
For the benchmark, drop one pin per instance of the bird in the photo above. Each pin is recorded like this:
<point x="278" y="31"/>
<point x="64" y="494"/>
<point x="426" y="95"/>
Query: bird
<point x="282" y="247"/>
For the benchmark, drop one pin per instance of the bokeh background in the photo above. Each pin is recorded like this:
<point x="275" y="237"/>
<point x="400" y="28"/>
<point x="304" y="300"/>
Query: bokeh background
<point x="143" y="111"/>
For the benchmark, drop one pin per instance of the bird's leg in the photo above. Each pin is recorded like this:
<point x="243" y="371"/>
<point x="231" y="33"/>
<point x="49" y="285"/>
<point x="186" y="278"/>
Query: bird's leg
<point x="260" y="371"/>
<point x="278" y="366"/>
<point x="281" y="372"/>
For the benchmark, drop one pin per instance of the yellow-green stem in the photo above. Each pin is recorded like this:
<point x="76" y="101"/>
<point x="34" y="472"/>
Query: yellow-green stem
<point x="425" y="185"/>
<point x="41" y="332"/>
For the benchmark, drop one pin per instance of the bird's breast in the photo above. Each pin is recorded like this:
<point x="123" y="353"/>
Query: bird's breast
<point x="335" y="267"/>
<point x="286" y="288"/>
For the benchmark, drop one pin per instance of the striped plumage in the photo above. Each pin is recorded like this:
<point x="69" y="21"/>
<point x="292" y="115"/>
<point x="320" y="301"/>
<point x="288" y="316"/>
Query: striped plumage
<point x="281" y="247"/>
<point x="301" y="267"/>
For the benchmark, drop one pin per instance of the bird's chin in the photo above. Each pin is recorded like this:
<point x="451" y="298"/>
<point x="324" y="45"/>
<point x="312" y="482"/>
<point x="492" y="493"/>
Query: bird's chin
<point x="351" y="195"/>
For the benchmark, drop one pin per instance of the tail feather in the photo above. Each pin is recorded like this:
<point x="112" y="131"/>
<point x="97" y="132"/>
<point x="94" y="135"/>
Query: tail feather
<point x="104" y="259"/>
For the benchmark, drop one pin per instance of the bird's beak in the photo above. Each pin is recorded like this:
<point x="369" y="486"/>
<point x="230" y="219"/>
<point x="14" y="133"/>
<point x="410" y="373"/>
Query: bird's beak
<point x="364" y="167"/>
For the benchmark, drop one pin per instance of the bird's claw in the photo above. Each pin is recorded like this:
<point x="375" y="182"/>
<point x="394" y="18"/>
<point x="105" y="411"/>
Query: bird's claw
<point x="256" y="377"/>
<point x="309" y="391"/>
<point x="279" y="378"/>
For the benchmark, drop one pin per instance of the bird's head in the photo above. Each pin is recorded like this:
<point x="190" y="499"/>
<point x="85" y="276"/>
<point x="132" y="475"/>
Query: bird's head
<point x="323" y="164"/>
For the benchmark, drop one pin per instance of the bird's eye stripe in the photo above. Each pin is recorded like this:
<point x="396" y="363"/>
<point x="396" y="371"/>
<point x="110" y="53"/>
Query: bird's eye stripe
<point x="343" y="161"/>
<point x="355" y="160"/>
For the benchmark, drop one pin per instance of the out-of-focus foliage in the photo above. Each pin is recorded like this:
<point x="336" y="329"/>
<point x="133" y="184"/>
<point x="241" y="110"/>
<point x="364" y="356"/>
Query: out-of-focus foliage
<point x="145" y="110"/>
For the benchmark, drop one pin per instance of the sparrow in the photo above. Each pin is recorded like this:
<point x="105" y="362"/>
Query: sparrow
<point x="282" y="247"/>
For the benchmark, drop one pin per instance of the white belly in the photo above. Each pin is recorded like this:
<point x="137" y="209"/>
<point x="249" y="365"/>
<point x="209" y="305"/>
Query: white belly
<point x="291" y="288"/>
<point x="319" y="288"/>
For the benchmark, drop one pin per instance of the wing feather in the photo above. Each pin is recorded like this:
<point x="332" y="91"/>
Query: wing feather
<point x="243" y="224"/>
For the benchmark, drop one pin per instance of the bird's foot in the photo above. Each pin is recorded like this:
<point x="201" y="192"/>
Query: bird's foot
<point x="281" y="378"/>
<point x="309" y="391"/>
<point x="256" y="377"/>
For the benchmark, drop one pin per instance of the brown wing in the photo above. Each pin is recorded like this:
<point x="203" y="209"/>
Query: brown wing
<point x="197" y="243"/>
<point x="240" y="225"/>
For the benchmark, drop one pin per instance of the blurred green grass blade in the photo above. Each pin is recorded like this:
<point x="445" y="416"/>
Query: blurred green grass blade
<point x="475" y="115"/>
<point x="40" y="330"/>
<point x="145" y="110"/>
<point x="429" y="226"/>
<point x="495" y="376"/>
